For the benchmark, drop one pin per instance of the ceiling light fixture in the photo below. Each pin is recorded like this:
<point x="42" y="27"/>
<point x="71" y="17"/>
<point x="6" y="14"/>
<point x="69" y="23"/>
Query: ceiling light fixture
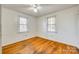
<point x="35" y="7"/>
<point x="35" y="10"/>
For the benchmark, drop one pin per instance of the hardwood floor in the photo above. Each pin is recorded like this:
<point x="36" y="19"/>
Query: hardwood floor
<point x="37" y="45"/>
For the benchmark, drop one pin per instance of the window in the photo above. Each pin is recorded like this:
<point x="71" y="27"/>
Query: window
<point x="22" y="24"/>
<point x="51" y="24"/>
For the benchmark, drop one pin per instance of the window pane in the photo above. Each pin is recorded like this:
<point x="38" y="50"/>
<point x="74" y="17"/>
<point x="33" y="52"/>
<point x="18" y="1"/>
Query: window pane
<point x="23" y="28"/>
<point x="51" y="20"/>
<point x="23" y="20"/>
<point x="51" y="28"/>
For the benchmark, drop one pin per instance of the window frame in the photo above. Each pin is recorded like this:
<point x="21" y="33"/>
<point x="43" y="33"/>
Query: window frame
<point x="52" y="24"/>
<point x="22" y="24"/>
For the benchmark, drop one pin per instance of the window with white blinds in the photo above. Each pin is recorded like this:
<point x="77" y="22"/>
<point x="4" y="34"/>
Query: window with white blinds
<point x="22" y="24"/>
<point x="51" y="24"/>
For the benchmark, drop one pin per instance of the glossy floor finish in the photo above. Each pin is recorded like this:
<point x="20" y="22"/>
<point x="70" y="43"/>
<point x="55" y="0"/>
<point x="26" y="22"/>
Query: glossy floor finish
<point x="37" y="45"/>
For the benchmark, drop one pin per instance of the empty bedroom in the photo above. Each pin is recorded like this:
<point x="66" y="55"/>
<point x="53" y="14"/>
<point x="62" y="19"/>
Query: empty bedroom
<point x="40" y="28"/>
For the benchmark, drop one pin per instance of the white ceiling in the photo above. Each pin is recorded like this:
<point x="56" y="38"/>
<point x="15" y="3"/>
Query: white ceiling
<point x="43" y="10"/>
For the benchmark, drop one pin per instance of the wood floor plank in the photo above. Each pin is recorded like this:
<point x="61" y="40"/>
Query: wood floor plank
<point x="38" y="45"/>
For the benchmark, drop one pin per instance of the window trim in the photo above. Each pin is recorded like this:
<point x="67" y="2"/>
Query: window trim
<point x="51" y="24"/>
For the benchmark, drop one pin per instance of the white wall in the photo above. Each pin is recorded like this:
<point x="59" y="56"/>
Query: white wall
<point x="78" y="27"/>
<point x="0" y="29"/>
<point x="10" y="33"/>
<point x="77" y="23"/>
<point x="65" y="25"/>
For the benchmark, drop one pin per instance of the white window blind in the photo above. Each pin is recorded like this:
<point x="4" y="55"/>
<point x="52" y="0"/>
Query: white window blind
<point x="51" y="24"/>
<point x="22" y="24"/>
